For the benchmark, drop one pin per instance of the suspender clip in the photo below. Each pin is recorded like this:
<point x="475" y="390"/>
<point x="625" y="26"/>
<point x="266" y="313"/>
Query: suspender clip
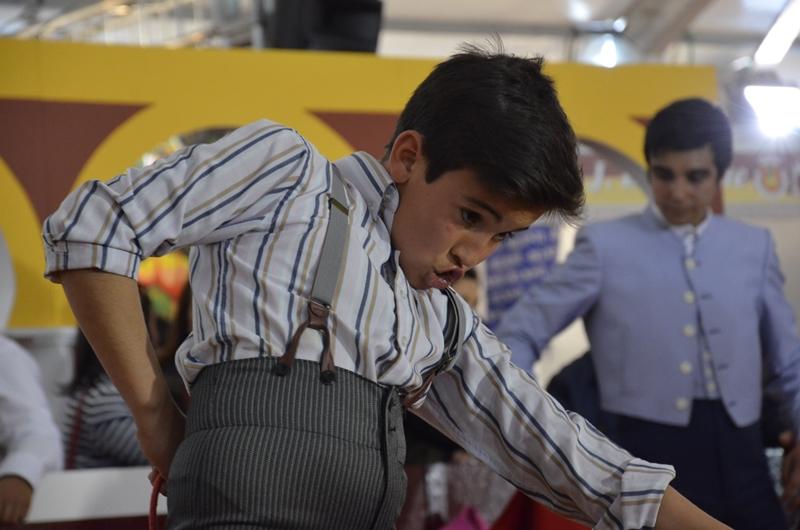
<point x="318" y="313"/>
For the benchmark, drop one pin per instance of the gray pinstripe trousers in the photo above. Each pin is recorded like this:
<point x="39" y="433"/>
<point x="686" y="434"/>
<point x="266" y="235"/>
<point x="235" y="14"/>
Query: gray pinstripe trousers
<point x="264" y="451"/>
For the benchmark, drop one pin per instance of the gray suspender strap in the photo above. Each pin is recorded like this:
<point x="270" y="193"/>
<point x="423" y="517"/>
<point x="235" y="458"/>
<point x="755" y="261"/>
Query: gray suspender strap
<point x="325" y="280"/>
<point x="330" y="262"/>
<point x="453" y="341"/>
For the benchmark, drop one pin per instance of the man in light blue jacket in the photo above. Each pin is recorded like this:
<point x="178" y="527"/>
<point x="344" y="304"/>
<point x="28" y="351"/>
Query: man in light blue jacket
<point x="687" y="321"/>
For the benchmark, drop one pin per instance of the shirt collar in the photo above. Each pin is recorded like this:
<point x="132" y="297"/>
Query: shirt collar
<point x="373" y="183"/>
<point x="681" y="230"/>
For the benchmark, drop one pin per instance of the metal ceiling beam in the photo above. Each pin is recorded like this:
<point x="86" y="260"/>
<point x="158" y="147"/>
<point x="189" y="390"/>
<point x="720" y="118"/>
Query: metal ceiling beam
<point x="70" y="17"/>
<point x="83" y="23"/>
<point x="654" y="24"/>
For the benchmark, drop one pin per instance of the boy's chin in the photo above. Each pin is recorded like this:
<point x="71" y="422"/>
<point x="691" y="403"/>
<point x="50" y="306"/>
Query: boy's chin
<point x="417" y="284"/>
<point x="416" y="280"/>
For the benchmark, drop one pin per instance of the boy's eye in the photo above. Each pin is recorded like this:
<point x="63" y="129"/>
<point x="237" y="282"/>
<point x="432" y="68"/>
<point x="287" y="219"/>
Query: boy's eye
<point x="662" y="174"/>
<point x="503" y="236"/>
<point x="469" y="217"/>
<point x="698" y="176"/>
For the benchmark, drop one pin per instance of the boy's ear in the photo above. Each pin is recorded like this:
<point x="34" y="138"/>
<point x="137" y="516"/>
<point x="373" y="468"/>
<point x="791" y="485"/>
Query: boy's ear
<point x="406" y="155"/>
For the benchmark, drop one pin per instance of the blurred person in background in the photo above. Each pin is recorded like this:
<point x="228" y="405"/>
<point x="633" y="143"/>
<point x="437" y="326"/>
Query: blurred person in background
<point x="30" y="443"/>
<point x="682" y="308"/>
<point x="99" y="429"/>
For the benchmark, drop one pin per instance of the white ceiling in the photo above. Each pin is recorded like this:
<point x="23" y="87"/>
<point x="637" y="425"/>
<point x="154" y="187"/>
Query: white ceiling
<point x="742" y="17"/>
<point x="697" y="31"/>
<point x="715" y="32"/>
<point x="729" y="18"/>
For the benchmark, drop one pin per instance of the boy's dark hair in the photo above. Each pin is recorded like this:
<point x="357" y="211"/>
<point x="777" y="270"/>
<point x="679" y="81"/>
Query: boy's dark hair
<point x="498" y="115"/>
<point x="691" y="124"/>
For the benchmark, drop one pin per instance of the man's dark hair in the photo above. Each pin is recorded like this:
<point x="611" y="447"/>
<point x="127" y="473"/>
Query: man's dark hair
<point x="691" y="124"/>
<point x="498" y="115"/>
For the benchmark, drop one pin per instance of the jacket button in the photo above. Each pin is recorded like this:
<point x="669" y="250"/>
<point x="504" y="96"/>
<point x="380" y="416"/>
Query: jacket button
<point x="688" y="330"/>
<point x="688" y="297"/>
<point x="686" y="367"/>
<point x="690" y="263"/>
<point x="681" y="403"/>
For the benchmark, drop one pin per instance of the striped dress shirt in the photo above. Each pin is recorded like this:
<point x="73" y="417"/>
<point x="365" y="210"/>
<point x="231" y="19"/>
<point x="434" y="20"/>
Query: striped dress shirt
<point x="253" y="208"/>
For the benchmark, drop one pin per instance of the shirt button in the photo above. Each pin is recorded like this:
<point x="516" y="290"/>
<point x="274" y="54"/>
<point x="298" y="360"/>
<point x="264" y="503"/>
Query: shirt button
<point x="688" y="297"/>
<point x="404" y="341"/>
<point x="686" y="367"/>
<point x="681" y="403"/>
<point x="690" y="263"/>
<point x="688" y="330"/>
<point x="711" y="387"/>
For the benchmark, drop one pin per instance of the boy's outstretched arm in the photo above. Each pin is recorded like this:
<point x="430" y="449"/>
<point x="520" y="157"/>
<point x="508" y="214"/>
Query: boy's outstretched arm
<point x="678" y="512"/>
<point x="500" y="414"/>
<point x="109" y="311"/>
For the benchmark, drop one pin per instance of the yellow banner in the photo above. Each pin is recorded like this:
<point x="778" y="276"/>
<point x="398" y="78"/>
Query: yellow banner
<point x="72" y="112"/>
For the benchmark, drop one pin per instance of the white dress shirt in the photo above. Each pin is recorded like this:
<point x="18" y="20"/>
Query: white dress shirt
<point x="30" y="442"/>
<point x="253" y="207"/>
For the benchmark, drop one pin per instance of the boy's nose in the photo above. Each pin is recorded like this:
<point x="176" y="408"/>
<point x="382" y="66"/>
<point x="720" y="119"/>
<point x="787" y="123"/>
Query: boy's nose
<point x="680" y="188"/>
<point x="469" y="253"/>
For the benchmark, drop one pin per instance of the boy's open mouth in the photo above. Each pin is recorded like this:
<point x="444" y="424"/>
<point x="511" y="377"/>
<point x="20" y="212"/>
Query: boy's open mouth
<point x="442" y="280"/>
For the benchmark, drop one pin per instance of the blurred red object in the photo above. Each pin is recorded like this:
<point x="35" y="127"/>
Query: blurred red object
<point x="523" y="513"/>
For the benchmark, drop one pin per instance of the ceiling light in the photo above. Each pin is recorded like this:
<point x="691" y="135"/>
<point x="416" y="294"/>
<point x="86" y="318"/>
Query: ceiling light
<point x="777" y="108"/>
<point x="121" y="10"/>
<point x="607" y="54"/>
<point x="780" y="36"/>
<point x="579" y="11"/>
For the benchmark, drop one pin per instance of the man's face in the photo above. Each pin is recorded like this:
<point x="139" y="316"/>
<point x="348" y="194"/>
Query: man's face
<point x="447" y="226"/>
<point x="684" y="184"/>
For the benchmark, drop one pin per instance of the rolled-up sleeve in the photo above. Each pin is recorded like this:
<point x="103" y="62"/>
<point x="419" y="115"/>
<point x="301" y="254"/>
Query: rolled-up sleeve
<point x="201" y="194"/>
<point x="500" y="414"/>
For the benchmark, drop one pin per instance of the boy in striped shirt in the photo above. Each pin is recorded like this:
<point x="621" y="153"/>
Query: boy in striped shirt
<point x="291" y="427"/>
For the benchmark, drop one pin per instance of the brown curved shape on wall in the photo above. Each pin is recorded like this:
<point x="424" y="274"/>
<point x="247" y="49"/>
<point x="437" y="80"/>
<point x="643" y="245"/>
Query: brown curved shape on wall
<point x="364" y="131"/>
<point x="47" y="143"/>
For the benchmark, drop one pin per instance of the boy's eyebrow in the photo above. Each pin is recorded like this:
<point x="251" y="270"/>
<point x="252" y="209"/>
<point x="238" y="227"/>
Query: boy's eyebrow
<point x="660" y="169"/>
<point x="481" y="204"/>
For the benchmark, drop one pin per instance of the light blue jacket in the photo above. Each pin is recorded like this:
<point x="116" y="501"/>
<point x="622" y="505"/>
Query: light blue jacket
<point x="645" y="304"/>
